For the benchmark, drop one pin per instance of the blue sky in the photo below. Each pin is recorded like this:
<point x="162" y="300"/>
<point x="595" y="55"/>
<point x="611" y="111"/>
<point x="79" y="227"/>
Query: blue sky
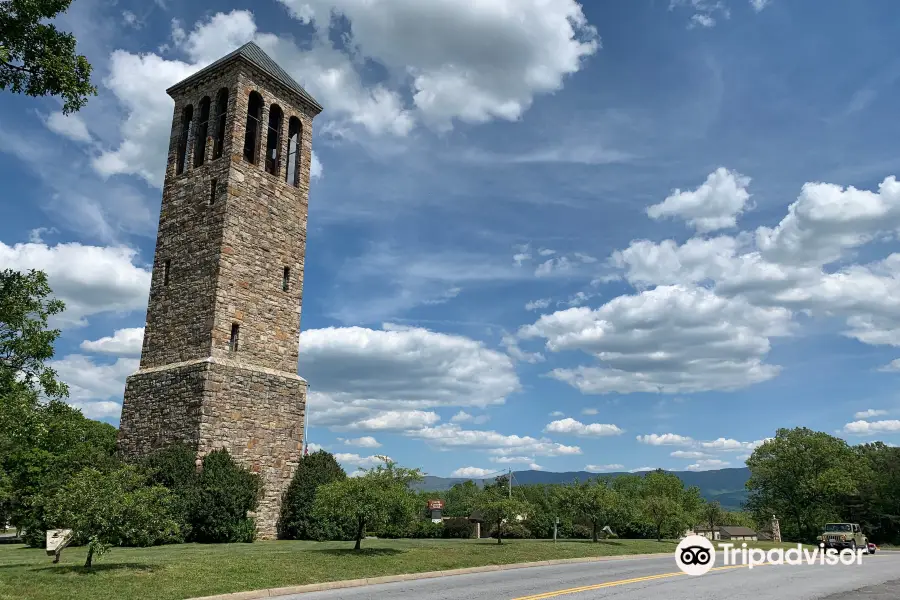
<point x="611" y="236"/>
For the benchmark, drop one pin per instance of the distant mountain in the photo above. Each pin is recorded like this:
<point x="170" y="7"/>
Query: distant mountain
<point x="724" y="485"/>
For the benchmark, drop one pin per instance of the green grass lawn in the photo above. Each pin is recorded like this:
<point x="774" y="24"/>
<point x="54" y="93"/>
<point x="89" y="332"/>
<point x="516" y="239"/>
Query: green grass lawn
<point x="190" y="570"/>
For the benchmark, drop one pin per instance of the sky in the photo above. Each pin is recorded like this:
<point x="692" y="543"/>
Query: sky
<point x="607" y="236"/>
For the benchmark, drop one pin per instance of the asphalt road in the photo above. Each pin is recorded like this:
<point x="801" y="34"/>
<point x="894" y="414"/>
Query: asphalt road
<point x="877" y="578"/>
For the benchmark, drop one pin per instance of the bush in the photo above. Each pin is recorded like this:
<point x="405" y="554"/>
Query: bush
<point x="174" y="468"/>
<point x="426" y="529"/>
<point x="225" y="493"/>
<point x="296" y="521"/>
<point x="513" y="531"/>
<point x="580" y="532"/>
<point x="458" y="527"/>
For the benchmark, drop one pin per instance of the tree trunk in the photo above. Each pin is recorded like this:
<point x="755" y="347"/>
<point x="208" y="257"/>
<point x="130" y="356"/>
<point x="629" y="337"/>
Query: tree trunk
<point x="659" y="533"/>
<point x="499" y="532"/>
<point x="361" y="527"/>
<point x="90" y="557"/>
<point x="594" y="532"/>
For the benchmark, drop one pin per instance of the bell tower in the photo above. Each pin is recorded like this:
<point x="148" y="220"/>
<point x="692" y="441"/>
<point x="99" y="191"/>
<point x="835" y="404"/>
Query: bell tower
<point x="219" y="359"/>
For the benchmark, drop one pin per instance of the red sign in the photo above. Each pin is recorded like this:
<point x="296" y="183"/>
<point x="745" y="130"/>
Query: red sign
<point x="435" y="505"/>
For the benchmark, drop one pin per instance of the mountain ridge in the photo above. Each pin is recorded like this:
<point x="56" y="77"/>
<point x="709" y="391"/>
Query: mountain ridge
<point x="728" y="486"/>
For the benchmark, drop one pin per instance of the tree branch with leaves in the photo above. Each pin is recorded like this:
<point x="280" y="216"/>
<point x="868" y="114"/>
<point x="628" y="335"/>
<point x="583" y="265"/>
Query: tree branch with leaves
<point x="37" y="59"/>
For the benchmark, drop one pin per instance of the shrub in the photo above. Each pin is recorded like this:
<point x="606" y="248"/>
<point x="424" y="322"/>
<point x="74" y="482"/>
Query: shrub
<point x="424" y="528"/>
<point x="174" y="468"/>
<point x="458" y="528"/>
<point x="297" y="521"/>
<point x="581" y="532"/>
<point x="513" y="531"/>
<point x="225" y="493"/>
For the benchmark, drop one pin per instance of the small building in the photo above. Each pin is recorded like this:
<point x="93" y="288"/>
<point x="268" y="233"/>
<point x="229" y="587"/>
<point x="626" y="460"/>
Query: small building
<point x="726" y="532"/>
<point x="736" y="533"/>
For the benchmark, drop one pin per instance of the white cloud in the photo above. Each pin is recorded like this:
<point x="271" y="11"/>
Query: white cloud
<point x="355" y="460"/>
<point x="474" y="472"/>
<point x="590" y="411"/>
<point x="451" y="436"/>
<point x="468" y="61"/>
<point x="665" y="439"/>
<point x="557" y="265"/>
<point x="90" y="279"/>
<point x="396" y="420"/>
<point x="366" y="441"/>
<point x="827" y="220"/>
<point x="571" y="426"/>
<point x="691" y="454"/>
<point x="869" y="413"/>
<point x="872" y="427"/>
<point x="642" y="469"/>
<point x="537" y="304"/>
<point x="464" y="417"/>
<point x="557" y="413"/>
<point x="730" y="445"/>
<point x="716" y="204"/>
<point x="96" y="389"/>
<point x="516" y="353"/>
<point x="71" y="126"/>
<point x="315" y="167"/>
<point x="387" y="379"/>
<point x="708" y="464"/>
<point x="758" y="5"/>
<point x="603" y="468"/>
<point x="124" y="342"/>
<point x="670" y="339"/>
<point x="313" y="447"/>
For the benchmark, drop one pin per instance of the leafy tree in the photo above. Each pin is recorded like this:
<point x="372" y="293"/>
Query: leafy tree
<point x="42" y="445"/>
<point x="667" y="505"/>
<point x="297" y="521"/>
<point x="378" y="498"/>
<point x="713" y="515"/>
<point x="25" y="340"/>
<point x="115" y="508"/>
<point x="741" y="519"/>
<point x="461" y="499"/>
<point x="39" y="60"/>
<point x="877" y="504"/>
<point x="596" y="501"/>
<point x="225" y="493"/>
<point x="500" y="511"/>
<point x="804" y="475"/>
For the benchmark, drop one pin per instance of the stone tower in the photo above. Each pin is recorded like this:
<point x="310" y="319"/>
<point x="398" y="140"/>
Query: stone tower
<point x="219" y="360"/>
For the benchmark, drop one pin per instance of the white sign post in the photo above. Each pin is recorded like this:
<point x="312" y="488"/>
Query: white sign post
<point x="57" y="539"/>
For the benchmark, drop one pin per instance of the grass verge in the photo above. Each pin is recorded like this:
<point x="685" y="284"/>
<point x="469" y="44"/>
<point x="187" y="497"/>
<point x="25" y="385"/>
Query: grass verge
<point x="191" y="570"/>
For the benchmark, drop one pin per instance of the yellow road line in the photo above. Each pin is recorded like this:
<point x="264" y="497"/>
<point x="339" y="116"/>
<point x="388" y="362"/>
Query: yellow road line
<point x="609" y="584"/>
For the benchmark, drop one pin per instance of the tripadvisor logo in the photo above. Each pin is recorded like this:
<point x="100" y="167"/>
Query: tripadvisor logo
<point x="696" y="555"/>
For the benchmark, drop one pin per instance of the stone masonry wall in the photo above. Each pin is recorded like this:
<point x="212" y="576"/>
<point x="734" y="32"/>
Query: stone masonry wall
<point x="264" y="232"/>
<point x="266" y="434"/>
<point x="161" y="406"/>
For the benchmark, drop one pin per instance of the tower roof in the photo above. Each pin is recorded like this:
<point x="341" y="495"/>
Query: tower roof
<point x="255" y="55"/>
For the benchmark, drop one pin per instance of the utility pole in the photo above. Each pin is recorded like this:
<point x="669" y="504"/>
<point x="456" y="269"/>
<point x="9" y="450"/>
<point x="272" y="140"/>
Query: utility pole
<point x="555" y="525"/>
<point x="509" y="481"/>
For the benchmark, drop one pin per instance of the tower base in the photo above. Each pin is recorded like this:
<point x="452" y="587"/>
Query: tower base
<point x="254" y="413"/>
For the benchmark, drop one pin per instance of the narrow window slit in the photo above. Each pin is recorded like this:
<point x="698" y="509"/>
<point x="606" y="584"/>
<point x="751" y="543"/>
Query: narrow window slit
<point x="235" y="333"/>
<point x="212" y="191"/>
<point x="166" y="268"/>
<point x="286" y="279"/>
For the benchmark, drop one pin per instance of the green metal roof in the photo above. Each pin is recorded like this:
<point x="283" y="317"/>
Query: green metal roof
<point x="258" y="58"/>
